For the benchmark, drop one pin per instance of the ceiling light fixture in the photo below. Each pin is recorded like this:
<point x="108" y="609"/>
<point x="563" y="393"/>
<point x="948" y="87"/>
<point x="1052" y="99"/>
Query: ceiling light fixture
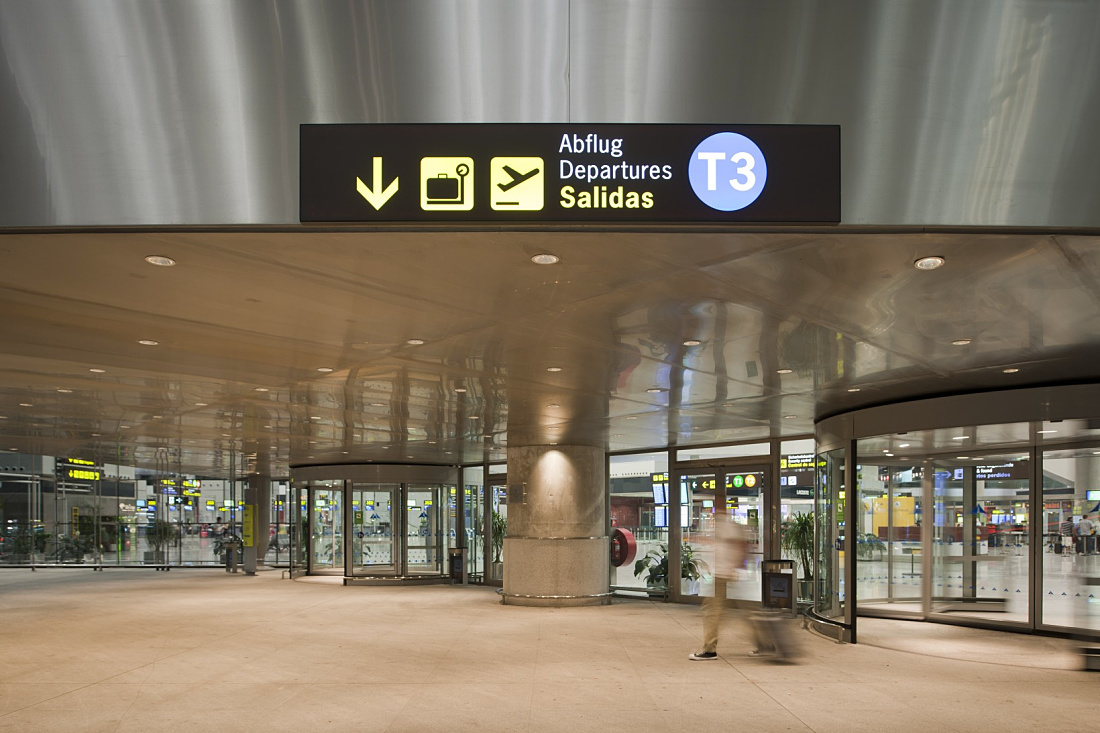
<point x="691" y="342"/>
<point x="1046" y="432"/>
<point x="62" y="390"/>
<point x="888" y="455"/>
<point x="931" y="262"/>
<point x="903" y="445"/>
<point x="783" y="371"/>
<point x="326" y="370"/>
<point x="262" y="389"/>
<point x="553" y="369"/>
<point x="961" y="342"/>
<point x="853" y="389"/>
<point x="148" y="342"/>
<point x="460" y="390"/>
<point x="546" y="258"/>
<point x="98" y="371"/>
<point x="160" y="260"/>
<point x="475" y="417"/>
<point x="414" y="342"/>
<point x="200" y="404"/>
<point x="963" y="458"/>
<point x="789" y="417"/>
<point x="25" y="404"/>
<point x="961" y="437"/>
<point x="1010" y="370"/>
<point x="654" y="390"/>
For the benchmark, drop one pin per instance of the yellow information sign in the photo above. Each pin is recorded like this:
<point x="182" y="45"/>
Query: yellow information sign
<point x="446" y="184"/>
<point x="248" y="526"/>
<point x="516" y="184"/>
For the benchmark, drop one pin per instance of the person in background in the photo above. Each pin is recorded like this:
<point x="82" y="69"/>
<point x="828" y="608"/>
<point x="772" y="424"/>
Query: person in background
<point x="1065" y="529"/>
<point x="1085" y="539"/>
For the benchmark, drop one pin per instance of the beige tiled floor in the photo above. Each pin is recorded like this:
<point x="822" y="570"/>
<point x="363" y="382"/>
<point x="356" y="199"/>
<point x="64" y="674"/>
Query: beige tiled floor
<point x="136" y="650"/>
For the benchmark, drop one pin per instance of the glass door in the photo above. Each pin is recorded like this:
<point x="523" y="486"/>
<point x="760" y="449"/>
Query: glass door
<point x="425" y="530"/>
<point x="697" y="502"/>
<point x="374" y="538"/>
<point x="326" y="507"/>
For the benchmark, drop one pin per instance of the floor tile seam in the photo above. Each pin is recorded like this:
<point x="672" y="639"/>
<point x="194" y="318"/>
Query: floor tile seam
<point x="52" y="697"/>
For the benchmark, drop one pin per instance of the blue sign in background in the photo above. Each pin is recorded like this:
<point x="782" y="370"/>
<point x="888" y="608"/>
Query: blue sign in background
<point x="727" y="171"/>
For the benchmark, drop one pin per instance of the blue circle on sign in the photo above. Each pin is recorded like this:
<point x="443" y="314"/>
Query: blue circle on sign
<point x="727" y="171"/>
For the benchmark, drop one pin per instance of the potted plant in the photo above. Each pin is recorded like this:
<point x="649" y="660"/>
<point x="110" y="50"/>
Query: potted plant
<point x="798" y="542"/>
<point x="500" y="529"/>
<point x="655" y="566"/>
<point x="159" y="534"/>
<point x="867" y="545"/>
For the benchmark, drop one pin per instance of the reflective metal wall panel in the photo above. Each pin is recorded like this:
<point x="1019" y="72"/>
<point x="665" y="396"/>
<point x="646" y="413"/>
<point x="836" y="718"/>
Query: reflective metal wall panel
<point x="116" y="112"/>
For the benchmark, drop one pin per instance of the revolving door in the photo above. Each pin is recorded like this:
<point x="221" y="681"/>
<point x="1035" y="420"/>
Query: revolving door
<point x="381" y="523"/>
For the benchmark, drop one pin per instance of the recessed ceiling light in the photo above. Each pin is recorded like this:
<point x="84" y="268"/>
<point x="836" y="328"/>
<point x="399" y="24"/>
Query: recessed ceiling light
<point x="94" y="435"/>
<point x="267" y="427"/>
<point x="789" y="417"/>
<point x="961" y="342"/>
<point x="475" y="417"/>
<point x="553" y="427"/>
<point x="888" y="455"/>
<point x="124" y="427"/>
<point x="148" y="342"/>
<point x="1010" y="370"/>
<point x="885" y="450"/>
<point x="262" y="389"/>
<point x="903" y="445"/>
<point x="929" y="263"/>
<point x="326" y="370"/>
<point x="853" y="389"/>
<point x="378" y="404"/>
<point x="200" y="404"/>
<point x="553" y="404"/>
<point x="962" y="458"/>
<point x="158" y="417"/>
<point x="553" y="369"/>
<point x="961" y="437"/>
<point x="98" y="371"/>
<point x="160" y="260"/>
<point x="314" y="417"/>
<point x="546" y="258"/>
<point x="654" y="390"/>
<point x="64" y="391"/>
<point x="3" y="417"/>
<point x="414" y="342"/>
<point x="460" y="390"/>
<point x="25" y="404"/>
<point x="691" y="342"/>
<point x="1046" y="432"/>
<point x="783" y="371"/>
<point x="631" y="417"/>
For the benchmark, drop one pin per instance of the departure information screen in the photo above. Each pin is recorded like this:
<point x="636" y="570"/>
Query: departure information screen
<point x="548" y="173"/>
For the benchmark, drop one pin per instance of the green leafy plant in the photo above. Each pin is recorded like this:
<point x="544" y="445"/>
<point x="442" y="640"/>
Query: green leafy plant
<point x="798" y="541"/>
<point x="500" y="529"/>
<point x="867" y="544"/>
<point x="159" y="534"/>
<point x="655" y="566"/>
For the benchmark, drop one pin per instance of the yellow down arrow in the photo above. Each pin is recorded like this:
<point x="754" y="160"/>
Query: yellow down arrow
<point x="376" y="197"/>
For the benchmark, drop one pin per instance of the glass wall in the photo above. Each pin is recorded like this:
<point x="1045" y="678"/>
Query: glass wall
<point x="639" y="509"/>
<point x="473" y="480"/>
<point x="77" y="511"/>
<point x="1071" y="563"/>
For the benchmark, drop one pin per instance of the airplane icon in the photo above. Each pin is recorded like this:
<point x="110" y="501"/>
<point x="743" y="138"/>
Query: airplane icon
<point x="517" y="177"/>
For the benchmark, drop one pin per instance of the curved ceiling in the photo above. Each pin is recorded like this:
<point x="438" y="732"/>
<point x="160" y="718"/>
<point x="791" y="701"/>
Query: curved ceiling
<point x="288" y="346"/>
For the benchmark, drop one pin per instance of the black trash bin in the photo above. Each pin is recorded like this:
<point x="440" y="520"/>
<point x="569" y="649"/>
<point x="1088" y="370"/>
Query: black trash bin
<point x="778" y="592"/>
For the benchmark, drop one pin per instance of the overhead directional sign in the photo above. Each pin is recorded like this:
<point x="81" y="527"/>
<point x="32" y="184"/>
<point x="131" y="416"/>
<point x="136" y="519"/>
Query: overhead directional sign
<point x="471" y="173"/>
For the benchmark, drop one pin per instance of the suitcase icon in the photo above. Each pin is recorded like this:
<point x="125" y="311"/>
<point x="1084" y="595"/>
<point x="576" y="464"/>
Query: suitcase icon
<point x="444" y="189"/>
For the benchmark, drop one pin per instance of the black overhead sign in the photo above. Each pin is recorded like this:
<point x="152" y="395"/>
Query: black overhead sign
<point x="570" y="173"/>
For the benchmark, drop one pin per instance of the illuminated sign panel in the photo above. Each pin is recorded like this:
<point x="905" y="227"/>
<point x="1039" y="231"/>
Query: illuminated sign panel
<point x="570" y="173"/>
<point x="78" y="469"/>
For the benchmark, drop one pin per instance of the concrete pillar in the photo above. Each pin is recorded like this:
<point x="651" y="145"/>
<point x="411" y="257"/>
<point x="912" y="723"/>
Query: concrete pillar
<point x="556" y="549"/>
<point x="258" y="493"/>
